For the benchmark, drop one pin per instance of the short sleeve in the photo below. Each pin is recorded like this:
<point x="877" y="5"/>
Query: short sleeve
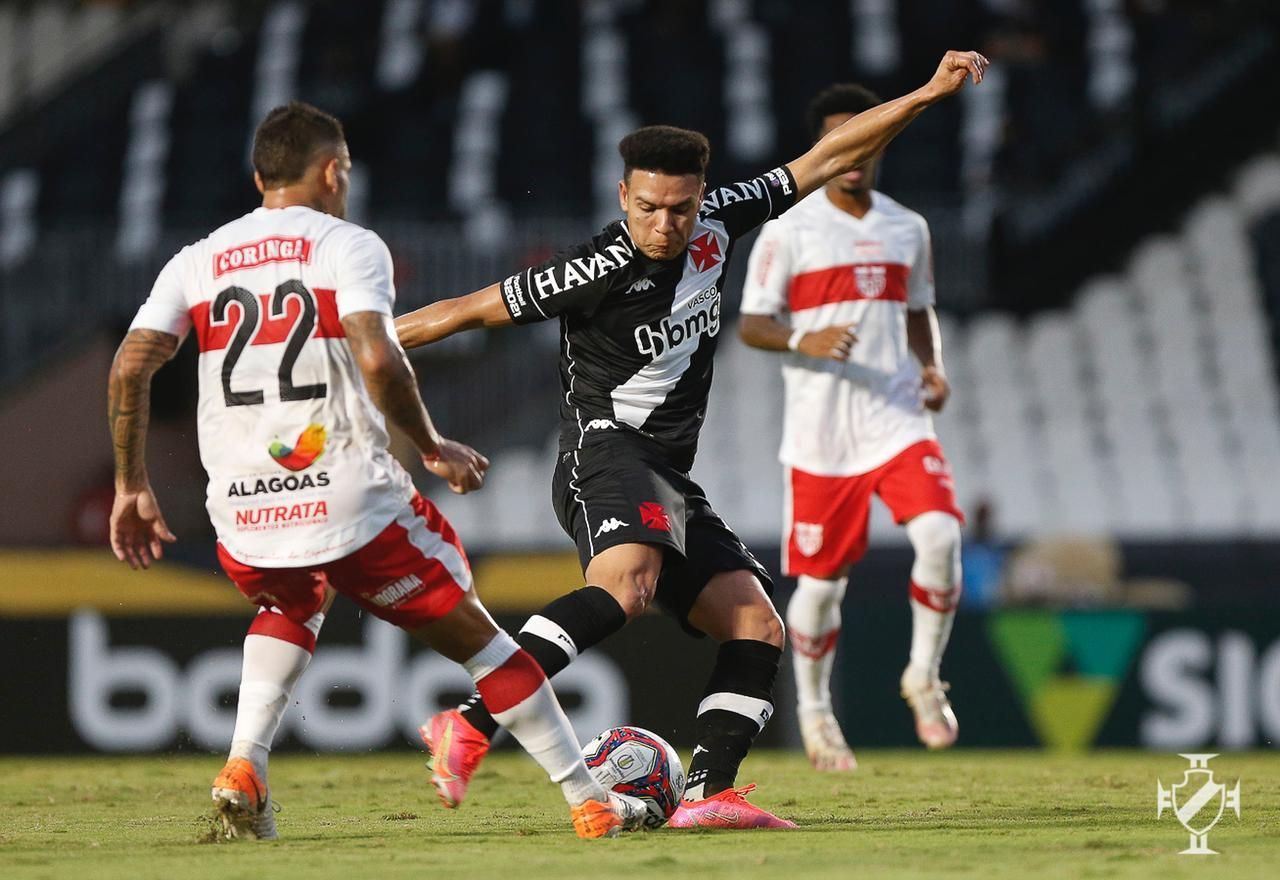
<point x="166" y="308"/>
<point x="574" y="280"/>
<point x="364" y="276"/>
<point x="743" y="206"/>
<point x="768" y="273"/>
<point x="920" y="292"/>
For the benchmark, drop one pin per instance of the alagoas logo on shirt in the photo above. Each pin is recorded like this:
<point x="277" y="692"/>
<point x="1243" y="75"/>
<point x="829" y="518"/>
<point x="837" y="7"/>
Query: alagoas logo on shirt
<point x="305" y="450"/>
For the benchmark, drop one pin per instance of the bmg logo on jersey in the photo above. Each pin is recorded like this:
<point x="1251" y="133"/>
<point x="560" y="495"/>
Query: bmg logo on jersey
<point x="701" y="315"/>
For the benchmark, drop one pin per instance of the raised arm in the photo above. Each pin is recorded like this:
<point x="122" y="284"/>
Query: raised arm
<point x="394" y="390"/>
<point x="138" y="530"/>
<point x="866" y="134"/>
<point x="441" y="319"/>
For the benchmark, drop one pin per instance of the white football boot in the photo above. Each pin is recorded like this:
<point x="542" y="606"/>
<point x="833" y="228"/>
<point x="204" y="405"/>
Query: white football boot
<point x="633" y="811"/>
<point x="936" y="724"/>
<point x="824" y="742"/>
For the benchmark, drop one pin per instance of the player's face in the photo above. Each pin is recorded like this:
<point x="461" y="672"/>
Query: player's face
<point x="661" y="210"/>
<point x="863" y="177"/>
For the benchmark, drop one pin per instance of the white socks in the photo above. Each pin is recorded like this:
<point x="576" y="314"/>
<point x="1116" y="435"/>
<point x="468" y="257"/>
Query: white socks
<point x="271" y="668"/>
<point x="813" y="623"/>
<point x="935" y="591"/>
<point x="520" y="698"/>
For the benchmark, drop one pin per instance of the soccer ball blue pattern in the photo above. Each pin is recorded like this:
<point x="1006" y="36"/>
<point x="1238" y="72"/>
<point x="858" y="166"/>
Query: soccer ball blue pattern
<point x="638" y="762"/>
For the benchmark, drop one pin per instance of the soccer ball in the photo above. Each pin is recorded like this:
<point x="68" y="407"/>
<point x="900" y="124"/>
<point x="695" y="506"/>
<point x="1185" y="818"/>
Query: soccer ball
<point x="638" y="762"/>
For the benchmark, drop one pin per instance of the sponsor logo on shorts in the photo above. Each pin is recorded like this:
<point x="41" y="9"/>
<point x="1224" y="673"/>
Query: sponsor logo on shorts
<point x="276" y="249"/>
<point x="654" y="515"/>
<point x="396" y="591"/>
<point x="600" y="425"/>
<point x="808" y="538"/>
<point x="612" y="524"/>
<point x="936" y="466"/>
<point x="304" y="451"/>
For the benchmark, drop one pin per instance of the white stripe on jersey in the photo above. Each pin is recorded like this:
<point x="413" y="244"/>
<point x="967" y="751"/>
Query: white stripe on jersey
<point x="695" y="311"/>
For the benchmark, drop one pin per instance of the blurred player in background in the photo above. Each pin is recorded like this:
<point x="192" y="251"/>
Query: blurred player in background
<point x="291" y="309"/>
<point x="639" y="309"/>
<point x="844" y="281"/>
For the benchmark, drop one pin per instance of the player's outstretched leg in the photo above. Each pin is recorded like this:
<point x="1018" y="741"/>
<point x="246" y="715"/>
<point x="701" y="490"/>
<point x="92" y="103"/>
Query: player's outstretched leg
<point x="458" y="739"/>
<point x="276" y="652"/>
<point x="519" y="697"/>
<point x="813" y="622"/>
<point x="935" y="592"/>
<point x="734" y="609"/>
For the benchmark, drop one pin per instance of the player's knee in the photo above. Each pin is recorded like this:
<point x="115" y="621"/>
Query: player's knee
<point x="935" y="537"/>
<point x="772" y="629"/>
<point x="634" y="588"/>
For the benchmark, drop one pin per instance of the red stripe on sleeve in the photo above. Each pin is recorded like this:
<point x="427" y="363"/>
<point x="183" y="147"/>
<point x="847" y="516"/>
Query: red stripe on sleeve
<point x="848" y="283"/>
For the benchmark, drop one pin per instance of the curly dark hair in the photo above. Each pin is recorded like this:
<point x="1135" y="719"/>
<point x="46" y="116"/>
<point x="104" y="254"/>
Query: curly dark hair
<point x="665" y="148"/>
<point x="839" y="98"/>
<point x="289" y="139"/>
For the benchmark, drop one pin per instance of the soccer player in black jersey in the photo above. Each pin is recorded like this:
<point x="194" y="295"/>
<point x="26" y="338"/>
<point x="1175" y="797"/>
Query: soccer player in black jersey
<point x="639" y="310"/>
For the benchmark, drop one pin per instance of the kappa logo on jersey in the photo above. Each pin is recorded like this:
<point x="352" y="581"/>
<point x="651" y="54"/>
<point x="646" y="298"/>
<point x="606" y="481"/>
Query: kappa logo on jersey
<point x="654" y="515"/>
<point x="303" y="453"/>
<point x="600" y="425"/>
<point x="705" y="251"/>
<point x="871" y="280"/>
<point x="808" y="538"/>
<point x="612" y="524"/>
<point x="276" y="249"/>
<point x="396" y="591"/>
<point x="642" y="285"/>
<point x="703" y="317"/>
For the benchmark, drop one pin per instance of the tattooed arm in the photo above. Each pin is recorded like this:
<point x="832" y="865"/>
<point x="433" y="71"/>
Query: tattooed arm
<point x="137" y="526"/>
<point x="394" y="390"/>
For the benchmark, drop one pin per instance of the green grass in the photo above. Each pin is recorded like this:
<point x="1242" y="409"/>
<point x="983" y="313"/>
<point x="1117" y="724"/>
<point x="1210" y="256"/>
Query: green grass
<point x="902" y="814"/>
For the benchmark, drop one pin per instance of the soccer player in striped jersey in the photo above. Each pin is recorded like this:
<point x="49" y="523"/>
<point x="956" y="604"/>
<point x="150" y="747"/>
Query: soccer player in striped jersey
<point x="843" y="286"/>
<point x="639" y="313"/>
<point x="290" y="307"/>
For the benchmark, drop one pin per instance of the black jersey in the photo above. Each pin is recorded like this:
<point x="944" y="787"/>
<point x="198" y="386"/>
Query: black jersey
<point x="638" y="335"/>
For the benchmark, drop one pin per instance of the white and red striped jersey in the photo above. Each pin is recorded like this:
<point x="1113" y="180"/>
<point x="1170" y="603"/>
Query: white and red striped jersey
<point x="296" y="451"/>
<point x="817" y="266"/>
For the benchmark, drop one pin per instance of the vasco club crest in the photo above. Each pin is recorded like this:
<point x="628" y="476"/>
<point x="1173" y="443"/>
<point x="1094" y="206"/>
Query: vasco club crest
<point x="1198" y="801"/>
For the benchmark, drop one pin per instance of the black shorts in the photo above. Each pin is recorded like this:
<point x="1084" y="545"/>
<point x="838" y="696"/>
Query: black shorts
<point x="623" y="491"/>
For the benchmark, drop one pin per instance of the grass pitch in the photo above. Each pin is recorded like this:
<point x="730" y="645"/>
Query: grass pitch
<point x="902" y="814"/>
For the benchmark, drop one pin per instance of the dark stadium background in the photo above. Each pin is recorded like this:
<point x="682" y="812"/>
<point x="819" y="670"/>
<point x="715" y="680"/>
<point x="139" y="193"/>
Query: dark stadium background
<point x="1106" y="223"/>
